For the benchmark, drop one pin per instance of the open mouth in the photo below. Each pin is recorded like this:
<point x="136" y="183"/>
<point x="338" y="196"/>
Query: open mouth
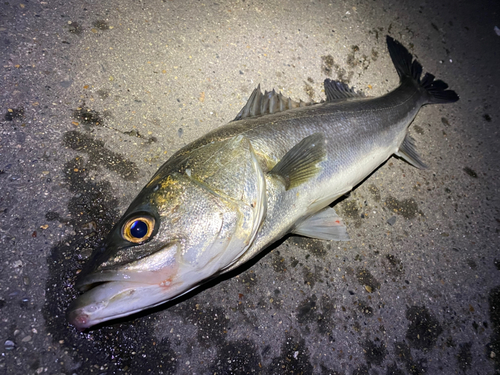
<point x="112" y="294"/>
<point x="153" y="269"/>
<point x="105" y="301"/>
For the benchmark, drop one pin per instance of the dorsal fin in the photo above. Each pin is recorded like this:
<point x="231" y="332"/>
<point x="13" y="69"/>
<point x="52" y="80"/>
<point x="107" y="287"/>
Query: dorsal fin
<point x="336" y="90"/>
<point x="270" y="102"/>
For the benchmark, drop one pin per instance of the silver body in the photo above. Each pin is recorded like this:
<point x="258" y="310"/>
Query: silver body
<point x="361" y="134"/>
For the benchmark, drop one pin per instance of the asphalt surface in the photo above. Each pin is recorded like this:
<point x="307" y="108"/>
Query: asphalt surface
<point x="96" y="95"/>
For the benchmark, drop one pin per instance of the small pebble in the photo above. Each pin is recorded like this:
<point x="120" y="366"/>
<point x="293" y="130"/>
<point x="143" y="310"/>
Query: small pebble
<point x="9" y="345"/>
<point x="392" y="220"/>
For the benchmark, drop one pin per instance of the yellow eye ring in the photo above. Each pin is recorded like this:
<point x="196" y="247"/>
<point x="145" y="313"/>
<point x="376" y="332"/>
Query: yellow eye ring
<point x="138" y="229"/>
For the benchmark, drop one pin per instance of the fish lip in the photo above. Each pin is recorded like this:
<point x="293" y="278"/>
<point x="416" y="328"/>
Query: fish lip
<point x="78" y="316"/>
<point x="105" y="276"/>
<point x="85" y="312"/>
<point x="129" y="273"/>
<point x="130" y="276"/>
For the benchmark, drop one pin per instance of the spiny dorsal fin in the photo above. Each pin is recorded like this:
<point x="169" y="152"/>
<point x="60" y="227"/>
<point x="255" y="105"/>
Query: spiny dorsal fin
<point x="336" y="90"/>
<point x="270" y="102"/>
<point x="300" y="163"/>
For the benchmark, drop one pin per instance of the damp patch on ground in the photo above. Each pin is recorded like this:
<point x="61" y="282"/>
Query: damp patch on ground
<point x="424" y="328"/>
<point x="407" y="208"/>
<point x="99" y="155"/>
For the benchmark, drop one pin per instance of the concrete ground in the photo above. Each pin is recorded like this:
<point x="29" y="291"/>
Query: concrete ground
<point x="96" y="95"/>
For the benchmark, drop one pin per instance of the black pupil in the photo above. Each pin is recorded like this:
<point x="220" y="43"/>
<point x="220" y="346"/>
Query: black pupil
<point x="138" y="229"/>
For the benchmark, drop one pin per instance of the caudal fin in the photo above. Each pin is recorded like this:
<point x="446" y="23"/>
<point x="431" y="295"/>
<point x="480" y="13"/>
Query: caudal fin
<point x="406" y="66"/>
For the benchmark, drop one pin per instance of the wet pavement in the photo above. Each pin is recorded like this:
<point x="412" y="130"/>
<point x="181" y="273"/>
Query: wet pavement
<point x="95" y="96"/>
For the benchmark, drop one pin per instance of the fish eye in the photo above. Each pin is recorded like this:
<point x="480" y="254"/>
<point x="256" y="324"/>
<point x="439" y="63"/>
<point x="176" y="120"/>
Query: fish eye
<point x="138" y="229"/>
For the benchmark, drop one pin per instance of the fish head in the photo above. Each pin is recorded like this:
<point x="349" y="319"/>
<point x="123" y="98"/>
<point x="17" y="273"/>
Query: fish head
<point x="174" y="235"/>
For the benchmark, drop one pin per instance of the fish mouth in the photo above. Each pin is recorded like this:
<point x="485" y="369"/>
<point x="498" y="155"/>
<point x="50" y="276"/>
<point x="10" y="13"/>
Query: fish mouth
<point x="112" y="294"/>
<point x="90" y="308"/>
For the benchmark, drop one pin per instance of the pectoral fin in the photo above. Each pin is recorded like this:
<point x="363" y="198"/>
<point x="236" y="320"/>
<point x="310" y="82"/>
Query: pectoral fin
<point x="324" y="225"/>
<point x="300" y="163"/>
<point x="407" y="152"/>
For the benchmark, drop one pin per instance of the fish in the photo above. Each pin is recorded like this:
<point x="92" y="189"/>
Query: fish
<point x="274" y="170"/>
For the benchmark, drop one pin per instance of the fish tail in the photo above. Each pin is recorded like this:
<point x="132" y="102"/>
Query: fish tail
<point x="406" y="67"/>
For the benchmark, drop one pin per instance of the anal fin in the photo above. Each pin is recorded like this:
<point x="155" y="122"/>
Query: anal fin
<point x="300" y="163"/>
<point x="408" y="152"/>
<point x="324" y="225"/>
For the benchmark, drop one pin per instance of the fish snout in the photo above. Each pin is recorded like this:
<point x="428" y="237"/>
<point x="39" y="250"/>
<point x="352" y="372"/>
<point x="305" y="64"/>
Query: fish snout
<point x="78" y="318"/>
<point x="80" y="315"/>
